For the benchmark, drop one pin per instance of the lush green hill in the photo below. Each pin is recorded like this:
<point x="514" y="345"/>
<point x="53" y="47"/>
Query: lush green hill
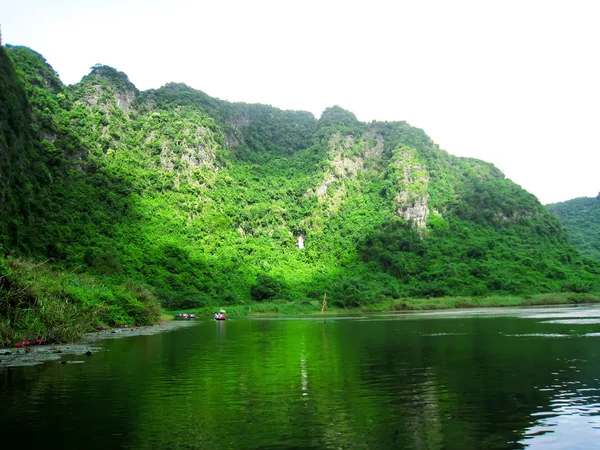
<point x="44" y="191"/>
<point x="581" y="218"/>
<point x="208" y="201"/>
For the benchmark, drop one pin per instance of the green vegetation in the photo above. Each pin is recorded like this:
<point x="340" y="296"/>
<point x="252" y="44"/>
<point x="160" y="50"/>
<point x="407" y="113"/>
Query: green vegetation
<point x="581" y="219"/>
<point x="206" y="202"/>
<point x="38" y="300"/>
<point x="400" y="304"/>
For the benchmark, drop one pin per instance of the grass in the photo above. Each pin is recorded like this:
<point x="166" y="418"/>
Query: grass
<point x="37" y="301"/>
<point x="496" y="301"/>
<point x="406" y="304"/>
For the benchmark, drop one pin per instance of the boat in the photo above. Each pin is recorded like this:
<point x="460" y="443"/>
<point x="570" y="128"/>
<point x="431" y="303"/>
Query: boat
<point x="184" y="316"/>
<point x="220" y="315"/>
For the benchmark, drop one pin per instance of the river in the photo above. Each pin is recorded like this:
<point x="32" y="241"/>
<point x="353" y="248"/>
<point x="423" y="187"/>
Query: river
<point x="495" y="378"/>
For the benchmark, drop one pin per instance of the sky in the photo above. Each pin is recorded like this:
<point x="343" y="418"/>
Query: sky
<point x="514" y="83"/>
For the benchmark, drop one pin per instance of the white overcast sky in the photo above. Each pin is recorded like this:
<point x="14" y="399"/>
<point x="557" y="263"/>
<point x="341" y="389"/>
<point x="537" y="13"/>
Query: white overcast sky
<point x="515" y="83"/>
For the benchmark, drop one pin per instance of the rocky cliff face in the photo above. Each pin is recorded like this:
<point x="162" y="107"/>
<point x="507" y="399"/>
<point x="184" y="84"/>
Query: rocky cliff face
<point x="412" y="199"/>
<point x="108" y="88"/>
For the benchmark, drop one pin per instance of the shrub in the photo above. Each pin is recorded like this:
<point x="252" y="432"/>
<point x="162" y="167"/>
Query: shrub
<point x="268" y="288"/>
<point x="189" y="299"/>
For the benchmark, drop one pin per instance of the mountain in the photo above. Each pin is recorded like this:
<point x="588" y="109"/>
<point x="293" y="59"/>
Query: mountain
<point x="208" y="201"/>
<point x="581" y="219"/>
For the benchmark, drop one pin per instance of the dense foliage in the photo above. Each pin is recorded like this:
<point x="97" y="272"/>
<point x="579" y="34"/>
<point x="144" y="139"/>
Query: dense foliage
<point x="210" y="202"/>
<point x="581" y="219"/>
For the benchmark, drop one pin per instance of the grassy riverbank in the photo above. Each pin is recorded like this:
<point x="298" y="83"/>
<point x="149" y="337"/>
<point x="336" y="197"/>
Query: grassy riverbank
<point x="406" y="304"/>
<point x="38" y="301"/>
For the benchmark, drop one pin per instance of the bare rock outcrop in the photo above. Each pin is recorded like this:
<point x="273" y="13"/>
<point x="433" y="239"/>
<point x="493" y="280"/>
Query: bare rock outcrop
<point x="412" y="199"/>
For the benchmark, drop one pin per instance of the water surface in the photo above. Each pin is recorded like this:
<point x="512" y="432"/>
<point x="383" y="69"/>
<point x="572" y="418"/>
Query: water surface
<point x="509" y="378"/>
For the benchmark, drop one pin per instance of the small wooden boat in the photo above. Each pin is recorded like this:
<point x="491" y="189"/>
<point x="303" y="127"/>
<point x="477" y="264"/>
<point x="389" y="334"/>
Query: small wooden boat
<point x="220" y="315"/>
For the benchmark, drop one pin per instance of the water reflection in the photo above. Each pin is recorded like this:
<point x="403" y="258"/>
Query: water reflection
<point x="574" y="321"/>
<point x="522" y="378"/>
<point x="571" y="420"/>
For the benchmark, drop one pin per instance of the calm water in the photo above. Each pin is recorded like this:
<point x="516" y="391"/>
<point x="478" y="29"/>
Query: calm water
<point x="487" y="379"/>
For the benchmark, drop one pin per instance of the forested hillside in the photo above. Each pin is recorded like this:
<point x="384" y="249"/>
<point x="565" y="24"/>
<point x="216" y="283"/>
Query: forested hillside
<point x="581" y="218"/>
<point x="210" y="202"/>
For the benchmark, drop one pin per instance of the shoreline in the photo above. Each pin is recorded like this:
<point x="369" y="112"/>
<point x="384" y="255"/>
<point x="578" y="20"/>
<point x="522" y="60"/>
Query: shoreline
<point x="91" y="342"/>
<point x="399" y="305"/>
<point x="11" y="357"/>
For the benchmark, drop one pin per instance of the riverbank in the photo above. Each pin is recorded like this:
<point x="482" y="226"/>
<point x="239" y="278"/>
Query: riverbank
<point x="562" y="298"/>
<point x="11" y="356"/>
<point x="88" y="345"/>
<point x="39" y="301"/>
<point x="405" y="304"/>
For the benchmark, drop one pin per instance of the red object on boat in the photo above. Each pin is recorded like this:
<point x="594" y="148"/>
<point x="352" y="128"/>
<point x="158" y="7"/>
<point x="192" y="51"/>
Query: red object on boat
<point x="220" y="317"/>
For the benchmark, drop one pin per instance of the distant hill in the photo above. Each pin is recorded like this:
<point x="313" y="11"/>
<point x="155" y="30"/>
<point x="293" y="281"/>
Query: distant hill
<point x="581" y="218"/>
<point x="208" y="201"/>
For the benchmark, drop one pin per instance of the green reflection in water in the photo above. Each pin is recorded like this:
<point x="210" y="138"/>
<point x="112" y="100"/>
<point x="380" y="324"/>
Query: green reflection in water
<point x="406" y="381"/>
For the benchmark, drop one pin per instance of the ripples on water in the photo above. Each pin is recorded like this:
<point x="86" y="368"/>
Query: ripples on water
<point x="520" y="378"/>
<point x="571" y="420"/>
